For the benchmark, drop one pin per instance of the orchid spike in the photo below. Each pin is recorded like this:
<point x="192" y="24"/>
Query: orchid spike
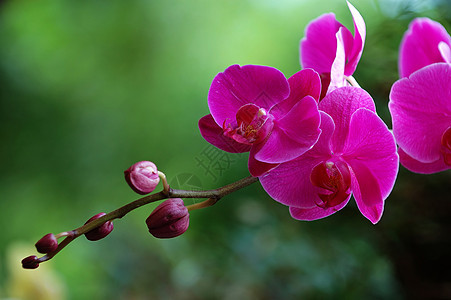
<point x="355" y="154"/>
<point x="256" y="109"/>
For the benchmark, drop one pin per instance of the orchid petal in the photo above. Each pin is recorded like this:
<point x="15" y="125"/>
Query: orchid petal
<point x="337" y="78"/>
<point x="359" y="41"/>
<point x="316" y="212"/>
<point x="372" y="144"/>
<point x="325" y="82"/>
<point x="238" y="86"/>
<point x="293" y="135"/>
<point x="306" y="82"/>
<point x="340" y="104"/>
<point x="366" y="191"/>
<point x="289" y="183"/>
<point x="421" y="111"/>
<point x="445" y="51"/>
<point x="258" y="168"/>
<point x="318" y="47"/>
<point x="323" y="145"/>
<point x="303" y="83"/>
<point x="420" y="45"/>
<point x="214" y="134"/>
<point x="416" y="166"/>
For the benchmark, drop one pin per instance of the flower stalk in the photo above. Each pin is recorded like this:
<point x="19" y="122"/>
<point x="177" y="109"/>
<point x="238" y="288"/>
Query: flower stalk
<point x="207" y="203"/>
<point x="213" y="196"/>
<point x="164" y="180"/>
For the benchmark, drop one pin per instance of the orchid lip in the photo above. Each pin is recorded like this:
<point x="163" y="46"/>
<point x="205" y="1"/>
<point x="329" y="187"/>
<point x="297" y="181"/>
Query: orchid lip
<point x="253" y="125"/>
<point x="333" y="181"/>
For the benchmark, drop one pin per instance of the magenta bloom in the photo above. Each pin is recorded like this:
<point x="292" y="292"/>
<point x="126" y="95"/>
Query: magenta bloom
<point x="420" y="106"/>
<point x="256" y="109"/>
<point x="355" y="154"/>
<point x="330" y="49"/>
<point x="424" y="43"/>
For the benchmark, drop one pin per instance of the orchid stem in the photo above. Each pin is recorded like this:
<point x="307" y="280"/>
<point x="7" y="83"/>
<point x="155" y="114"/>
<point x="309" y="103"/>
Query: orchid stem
<point x="167" y="192"/>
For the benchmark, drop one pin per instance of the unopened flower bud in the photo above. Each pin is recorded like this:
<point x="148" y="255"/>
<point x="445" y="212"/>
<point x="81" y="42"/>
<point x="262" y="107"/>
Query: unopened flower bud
<point x="101" y="231"/>
<point x="169" y="219"/>
<point x="48" y="243"/>
<point x="142" y="177"/>
<point x="30" y="262"/>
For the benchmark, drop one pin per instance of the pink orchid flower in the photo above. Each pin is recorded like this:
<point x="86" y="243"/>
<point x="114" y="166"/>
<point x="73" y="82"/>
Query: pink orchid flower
<point x="256" y="109"/>
<point x="424" y="43"/>
<point x="330" y="49"/>
<point x="355" y="154"/>
<point x="420" y="106"/>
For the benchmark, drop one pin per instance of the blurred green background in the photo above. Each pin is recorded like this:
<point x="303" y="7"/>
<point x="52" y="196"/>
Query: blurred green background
<point x="87" y="88"/>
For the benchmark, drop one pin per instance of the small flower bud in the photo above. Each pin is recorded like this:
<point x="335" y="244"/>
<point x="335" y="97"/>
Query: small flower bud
<point x="101" y="231"/>
<point x="142" y="177"/>
<point x="169" y="219"/>
<point x="48" y="243"/>
<point x="30" y="262"/>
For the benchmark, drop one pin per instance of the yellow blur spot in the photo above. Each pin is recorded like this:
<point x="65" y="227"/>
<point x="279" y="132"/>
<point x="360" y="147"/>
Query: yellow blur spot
<point x="43" y="283"/>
